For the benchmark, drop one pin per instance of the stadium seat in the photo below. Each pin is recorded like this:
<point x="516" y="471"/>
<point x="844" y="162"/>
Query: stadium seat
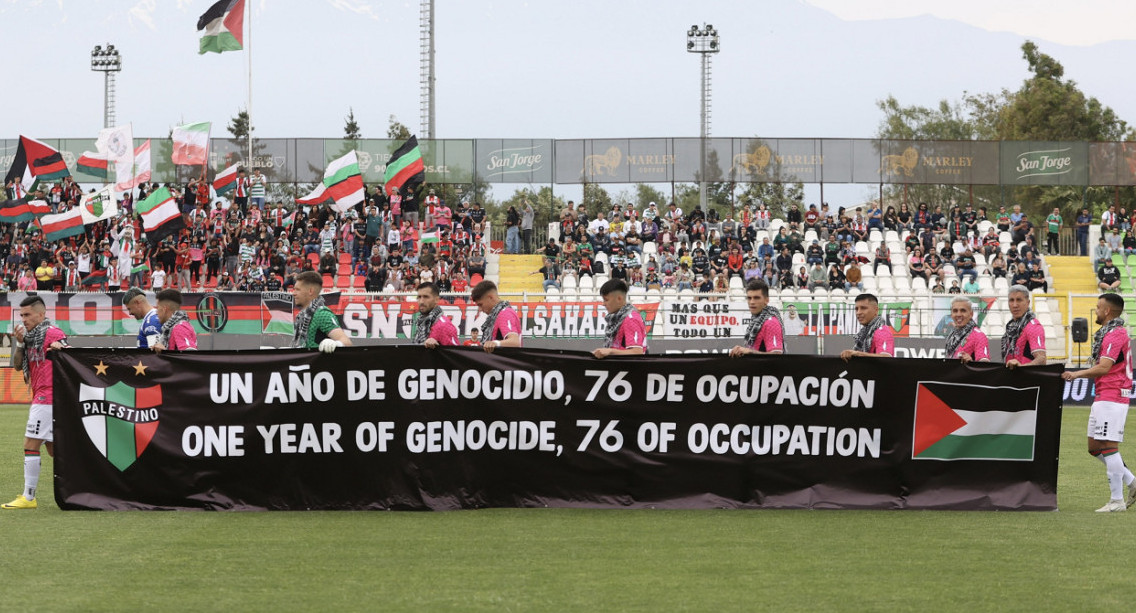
<point x="891" y="236"/>
<point x="884" y="283"/>
<point x="736" y="282"/>
<point x="870" y="284"/>
<point x="314" y="258"/>
<point x="602" y="257"/>
<point x="919" y="284"/>
<point x="902" y="282"/>
<point x="600" y="280"/>
<point x="586" y="282"/>
<point x="650" y="248"/>
<point x="360" y="282"/>
<point x="345" y="258"/>
<point x="343" y="269"/>
<point x="862" y="249"/>
<point x="1001" y="284"/>
<point x="985" y="285"/>
<point x="775" y="226"/>
<point x="984" y="226"/>
<point x="875" y="236"/>
<point x="568" y="282"/>
<point x="810" y="236"/>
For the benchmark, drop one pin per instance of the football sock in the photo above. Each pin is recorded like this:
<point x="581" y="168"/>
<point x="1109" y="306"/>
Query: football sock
<point x="31" y="473"/>
<point x="1115" y="470"/>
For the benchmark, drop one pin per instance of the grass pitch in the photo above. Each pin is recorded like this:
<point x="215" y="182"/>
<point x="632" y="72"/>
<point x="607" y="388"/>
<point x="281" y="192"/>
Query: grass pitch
<point x="553" y="560"/>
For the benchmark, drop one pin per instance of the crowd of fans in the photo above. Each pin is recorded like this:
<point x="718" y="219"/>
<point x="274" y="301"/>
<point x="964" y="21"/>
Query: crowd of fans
<point x="388" y="243"/>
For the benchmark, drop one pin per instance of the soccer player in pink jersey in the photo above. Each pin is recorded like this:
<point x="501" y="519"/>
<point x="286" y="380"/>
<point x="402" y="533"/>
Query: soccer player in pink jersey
<point x="33" y="340"/>
<point x="1023" y="344"/>
<point x="502" y="327"/>
<point x="433" y="328"/>
<point x="626" y="334"/>
<point x="1112" y="369"/>
<point x="875" y="338"/>
<point x="966" y="342"/>
<point x="177" y="332"/>
<point x="766" y="332"/>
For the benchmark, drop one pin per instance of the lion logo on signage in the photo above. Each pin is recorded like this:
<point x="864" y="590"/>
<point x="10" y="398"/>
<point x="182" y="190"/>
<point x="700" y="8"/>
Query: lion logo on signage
<point x="752" y="163"/>
<point x="603" y="164"/>
<point x="892" y="164"/>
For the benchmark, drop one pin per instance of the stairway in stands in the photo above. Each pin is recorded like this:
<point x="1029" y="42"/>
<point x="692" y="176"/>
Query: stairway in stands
<point x="514" y="277"/>
<point x="1074" y="275"/>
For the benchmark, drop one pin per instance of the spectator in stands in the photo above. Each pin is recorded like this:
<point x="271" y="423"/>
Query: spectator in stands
<point x="1084" y="220"/>
<point x="836" y="277"/>
<point x="1115" y="244"/>
<point x="762" y="217"/>
<point x="853" y="276"/>
<point x="814" y="254"/>
<point x="938" y="287"/>
<point x="883" y="258"/>
<point x="915" y="265"/>
<point x="1109" y="220"/>
<point x="802" y="278"/>
<point x="905" y="218"/>
<point x="998" y="266"/>
<point x="818" y="277"/>
<point x="954" y="289"/>
<point x="1022" y="229"/>
<point x="327" y="263"/>
<point x="1108" y="276"/>
<point x="684" y="277"/>
<point x="1129" y="243"/>
<point x="965" y="264"/>
<point x="1002" y="220"/>
<point x="551" y="273"/>
<point x="735" y="262"/>
<point x="1100" y="252"/>
<point x="765" y="251"/>
<point x="1053" y="225"/>
<point x="812" y="219"/>
<point x="970" y="286"/>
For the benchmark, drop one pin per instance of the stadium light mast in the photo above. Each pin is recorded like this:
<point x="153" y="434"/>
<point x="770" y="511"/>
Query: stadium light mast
<point x="107" y="61"/>
<point x="426" y="67"/>
<point x="703" y="41"/>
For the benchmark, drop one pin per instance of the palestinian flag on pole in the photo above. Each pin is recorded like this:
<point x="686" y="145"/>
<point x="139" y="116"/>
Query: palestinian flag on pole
<point x="35" y="160"/>
<point x="143" y="267"/>
<point x="429" y="237"/>
<point x="21" y="210"/>
<point x="955" y="421"/>
<point x="120" y="420"/>
<point x="405" y="169"/>
<point x="141" y="167"/>
<point x="97" y="206"/>
<point x="94" y="164"/>
<point x="226" y="180"/>
<point x="160" y="215"/>
<point x="191" y="144"/>
<point x="224" y="25"/>
<point x="289" y="220"/>
<point x="62" y="225"/>
<point x="318" y="196"/>
<point x="97" y="277"/>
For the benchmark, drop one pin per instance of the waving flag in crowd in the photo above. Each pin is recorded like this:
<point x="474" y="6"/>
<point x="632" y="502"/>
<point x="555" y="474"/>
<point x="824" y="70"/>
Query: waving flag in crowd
<point x="141" y="167"/>
<point x="160" y="215"/>
<point x="191" y="143"/>
<point x="405" y="169"/>
<point x="94" y="164"/>
<point x="342" y="184"/>
<point x="35" y="160"/>
<point x="62" y="225"/>
<point x="226" y="180"/>
<point x="22" y="209"/>
<point x="117" y="144"/>
<point x="97" y="206"/>
<point x="224" y="27"/>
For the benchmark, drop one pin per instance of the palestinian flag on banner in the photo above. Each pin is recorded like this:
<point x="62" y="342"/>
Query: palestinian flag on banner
<point x="62" y="225"/>
<point x="429" y="237"/>
<point x="405" y="169"/>
<point x="143" y="267"/>
<point x="160" y="215"/>
<point x="94" y="164"/>
<point x="955" y="421"/>
<point x="21" y="210"/>
<point x="276" y="314"/>
<point x="99" y="205"/>
<point x="35" y="160"/>
<point x="224" y="25"/>
<point x="191" y="144"/>
<point x="120" y="420"/>
<point x="97" y="277"/>
<point x="289" y="220"/>
<point x="226" y="180"/>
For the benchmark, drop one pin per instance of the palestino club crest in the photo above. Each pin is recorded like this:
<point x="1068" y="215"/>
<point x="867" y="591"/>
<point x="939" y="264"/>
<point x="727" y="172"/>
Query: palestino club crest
<point x="120" y="420"/>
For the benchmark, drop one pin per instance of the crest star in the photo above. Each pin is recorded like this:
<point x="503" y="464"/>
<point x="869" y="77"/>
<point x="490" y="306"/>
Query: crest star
<point x="100" y="369"/>
<point x="139" y="368"/>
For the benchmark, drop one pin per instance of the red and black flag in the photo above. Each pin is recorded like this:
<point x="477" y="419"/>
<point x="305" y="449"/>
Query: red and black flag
<point x="405" y="169"/>
<point x="36" y="160"/>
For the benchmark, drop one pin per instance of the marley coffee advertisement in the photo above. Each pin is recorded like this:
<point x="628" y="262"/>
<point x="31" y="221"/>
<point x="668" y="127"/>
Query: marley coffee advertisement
<point x="408" y="428"/>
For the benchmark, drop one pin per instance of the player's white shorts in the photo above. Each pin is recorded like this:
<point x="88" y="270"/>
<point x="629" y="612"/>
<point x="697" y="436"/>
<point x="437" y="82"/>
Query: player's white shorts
<point x="39" y="422"/>
<point x="1106" y="420"/>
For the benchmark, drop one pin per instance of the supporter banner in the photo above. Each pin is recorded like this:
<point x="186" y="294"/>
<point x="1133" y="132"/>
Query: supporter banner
<point x="395" y="320"/>
<point x="412" y="428"/>
<point x="102" y="314"/>
<point x="705" y="319"/>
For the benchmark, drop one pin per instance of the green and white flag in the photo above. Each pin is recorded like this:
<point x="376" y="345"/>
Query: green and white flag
<point x="98" y="205"/>
<point x="955" y="421"/>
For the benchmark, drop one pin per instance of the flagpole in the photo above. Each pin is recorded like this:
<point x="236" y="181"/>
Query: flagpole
<point x="248" y="51"/>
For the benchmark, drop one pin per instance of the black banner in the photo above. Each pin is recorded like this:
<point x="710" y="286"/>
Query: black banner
<point x="416" y="429"/>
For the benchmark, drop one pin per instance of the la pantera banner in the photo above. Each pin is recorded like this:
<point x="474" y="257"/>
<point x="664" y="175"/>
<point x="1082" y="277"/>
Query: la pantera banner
<point x="408" y="428"/>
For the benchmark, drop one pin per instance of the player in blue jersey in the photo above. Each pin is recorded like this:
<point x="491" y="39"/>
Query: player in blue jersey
<point x="139" y="307"/>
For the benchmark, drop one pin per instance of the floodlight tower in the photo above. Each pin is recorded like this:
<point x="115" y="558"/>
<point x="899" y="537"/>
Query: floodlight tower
<point x="703" y="41"/>
<point x="426" y="67"/>
<point x="109" y="62"/>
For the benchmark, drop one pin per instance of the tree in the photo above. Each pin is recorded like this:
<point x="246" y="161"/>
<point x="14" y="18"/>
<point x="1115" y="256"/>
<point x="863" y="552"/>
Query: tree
<point x="396" y="130"/>
<point x="646" y="194"/>
<point x="351" y="130"/>
<point x="240" y="129"/>
<point x="596" y="199"/>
